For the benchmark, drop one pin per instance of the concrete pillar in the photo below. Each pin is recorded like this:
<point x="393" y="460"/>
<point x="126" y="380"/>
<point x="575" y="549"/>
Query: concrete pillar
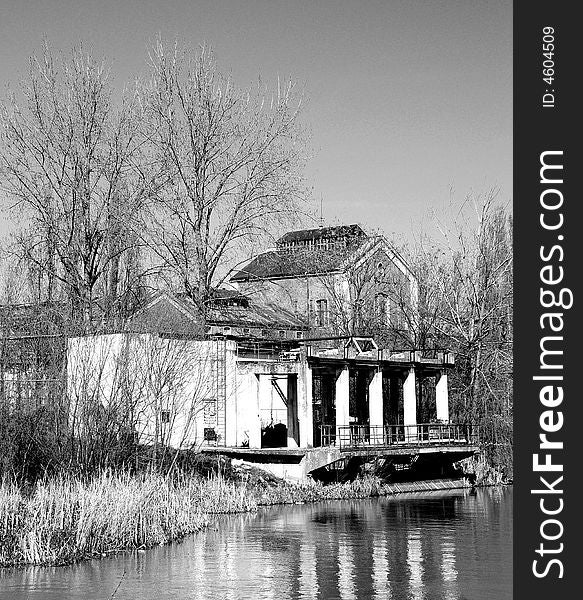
<point x="342" y="401"/>
<point x="375" y="408"/>
<point x="410" y="406"/>
<point x="441" y="397"/>
<point x="293" y="437"/>
<point x="305" y="400"/>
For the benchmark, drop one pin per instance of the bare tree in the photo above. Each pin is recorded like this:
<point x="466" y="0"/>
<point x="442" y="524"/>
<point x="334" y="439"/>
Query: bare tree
<point x="230" y="161"/>
<point x="474" y="288"/>
<point x="425" y="259"/>
<point x="69" y="163"/>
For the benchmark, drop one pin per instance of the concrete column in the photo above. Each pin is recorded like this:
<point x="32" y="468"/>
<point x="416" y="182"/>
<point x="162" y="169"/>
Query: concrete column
<point x="441" y="397"/>
<point x="375" y="408"/>
<point x="410" y="406"/>
<point x="305" y="418"/>
<point x="342" y="401"/>
<point x="293" y="438"/>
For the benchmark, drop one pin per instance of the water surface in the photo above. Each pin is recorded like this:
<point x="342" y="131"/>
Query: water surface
<point x="431" y="546"/>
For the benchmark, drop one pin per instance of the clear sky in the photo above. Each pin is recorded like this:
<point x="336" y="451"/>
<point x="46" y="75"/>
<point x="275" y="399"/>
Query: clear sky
<point x="408" y="99"/>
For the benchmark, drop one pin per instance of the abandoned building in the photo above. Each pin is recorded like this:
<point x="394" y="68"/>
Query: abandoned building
<point x="339" y="279"/>
<point x="285" y="372"/>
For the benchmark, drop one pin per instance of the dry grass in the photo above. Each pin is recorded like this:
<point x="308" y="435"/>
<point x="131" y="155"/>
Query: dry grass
<point x="66" y="519"/>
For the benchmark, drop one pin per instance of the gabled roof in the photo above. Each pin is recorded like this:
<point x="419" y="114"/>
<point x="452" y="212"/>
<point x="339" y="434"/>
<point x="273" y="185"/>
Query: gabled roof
<point x="303" y="261"/>
<point x="306" y="251"/>
<point x="277" y="263"/>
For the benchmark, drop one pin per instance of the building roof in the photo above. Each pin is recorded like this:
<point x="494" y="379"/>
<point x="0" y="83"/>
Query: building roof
<point x="306" y="252"/>
<point x="276" y="263"/>
<point x="265" y="315"/>
<point x="171" y="311"/>
<point x="340" y="231"/>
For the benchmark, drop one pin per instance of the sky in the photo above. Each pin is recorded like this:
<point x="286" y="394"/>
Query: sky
<point x="409" y="103"/>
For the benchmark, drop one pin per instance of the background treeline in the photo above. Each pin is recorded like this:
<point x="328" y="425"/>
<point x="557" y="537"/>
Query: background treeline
<point x="466" y="305"/>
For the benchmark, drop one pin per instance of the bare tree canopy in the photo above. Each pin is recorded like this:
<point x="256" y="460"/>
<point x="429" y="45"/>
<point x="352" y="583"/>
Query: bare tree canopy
<point x="69" y="162"/>
<point x="229" y="161"/>
<point x="466" y="301"/>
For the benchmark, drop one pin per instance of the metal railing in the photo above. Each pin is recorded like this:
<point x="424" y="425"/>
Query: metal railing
<point x="327" y="435"/>
<point x="357" y="436"/>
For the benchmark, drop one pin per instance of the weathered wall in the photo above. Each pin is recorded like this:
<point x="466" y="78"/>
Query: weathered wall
<point x="166" y="388"/>
<point x="350" y="295"/>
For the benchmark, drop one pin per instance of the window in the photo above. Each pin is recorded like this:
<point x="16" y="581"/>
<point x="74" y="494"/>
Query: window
<point x="299" y="335"/>
<point x="321" y="312"/>
<point x="210" y="412"/>
<point x="381" y="308"/>
<point x="380" y="275"/>
<point x="281" y="333"/>
<point x="165" y="416"/>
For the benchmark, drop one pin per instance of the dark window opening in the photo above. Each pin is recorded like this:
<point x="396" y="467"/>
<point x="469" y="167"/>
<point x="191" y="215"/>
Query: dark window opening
<point x="321" y="312"/>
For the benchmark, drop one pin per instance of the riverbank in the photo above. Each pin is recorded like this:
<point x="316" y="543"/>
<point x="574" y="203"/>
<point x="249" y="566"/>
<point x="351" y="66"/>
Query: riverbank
<point x="66" y="519"/>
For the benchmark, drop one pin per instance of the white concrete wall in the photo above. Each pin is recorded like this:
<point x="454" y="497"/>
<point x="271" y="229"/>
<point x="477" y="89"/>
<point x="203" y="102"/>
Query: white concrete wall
<point x="231" y="417"/>
<point x="141" y="375"/>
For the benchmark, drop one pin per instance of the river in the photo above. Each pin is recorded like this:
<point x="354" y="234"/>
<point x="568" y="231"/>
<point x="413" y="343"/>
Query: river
<point x="453" y="545"/>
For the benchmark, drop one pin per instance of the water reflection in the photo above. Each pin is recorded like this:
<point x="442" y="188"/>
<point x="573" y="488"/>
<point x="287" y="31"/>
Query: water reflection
<point x="418" y="547"/>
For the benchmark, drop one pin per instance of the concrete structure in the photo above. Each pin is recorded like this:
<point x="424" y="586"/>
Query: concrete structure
<point x="218" y="395"/>
<point x="269" y="372"/>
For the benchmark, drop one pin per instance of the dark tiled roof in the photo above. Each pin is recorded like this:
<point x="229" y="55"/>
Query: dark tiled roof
<point x="296" y="255"/>
<point x="242" y="314"/>
<point x="267" y="315"/>
<point x="296" y="262"/>
<point x="281" y="264"/>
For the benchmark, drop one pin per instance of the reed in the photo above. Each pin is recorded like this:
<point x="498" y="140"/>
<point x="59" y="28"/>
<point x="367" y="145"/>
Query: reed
<point x="68" y="518"/>
<point x="65" y="519"/>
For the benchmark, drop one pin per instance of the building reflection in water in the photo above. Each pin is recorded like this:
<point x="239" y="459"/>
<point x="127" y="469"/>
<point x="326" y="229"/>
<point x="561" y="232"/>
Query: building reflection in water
<point x="308" y="578"/>
<point x="415" y="562"/>
<point x="346" y="570"/>
<point x="448" y="569"/>
<point x="418" y="547"/>
<point x="381" y="572"/>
